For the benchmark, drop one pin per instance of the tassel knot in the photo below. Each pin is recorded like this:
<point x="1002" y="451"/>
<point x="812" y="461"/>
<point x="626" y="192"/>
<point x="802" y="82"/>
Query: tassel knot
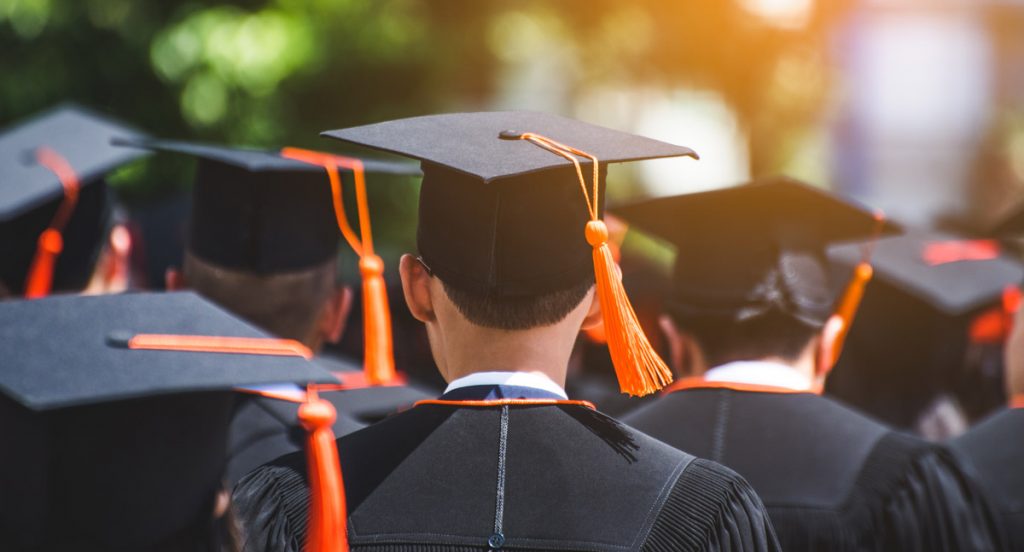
<point x="327" y="512"/>
<point x="597" y="233"/>
<point x="370" y="266"/>
<point x="51" y="241"/>
<point x="317" y="414"/>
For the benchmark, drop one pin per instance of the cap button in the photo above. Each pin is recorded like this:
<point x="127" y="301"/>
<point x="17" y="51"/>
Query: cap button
<point x="510" y="135"/>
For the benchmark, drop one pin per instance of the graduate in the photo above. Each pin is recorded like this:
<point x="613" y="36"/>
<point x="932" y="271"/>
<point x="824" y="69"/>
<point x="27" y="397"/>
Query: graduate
<point x="925" y="351"/>
<point x="512" y="264"/>
<point x="263" y="243"/>
<point x="993" y="451"/>
<point x="752" y="332"/>
<point x="57" y="230"/>
<point x="114" y="441"/>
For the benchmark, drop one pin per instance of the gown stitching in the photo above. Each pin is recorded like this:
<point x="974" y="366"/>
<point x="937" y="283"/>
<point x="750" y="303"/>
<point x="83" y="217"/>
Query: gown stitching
<point x="498" y="538"/>
<point x="722" y="420"/>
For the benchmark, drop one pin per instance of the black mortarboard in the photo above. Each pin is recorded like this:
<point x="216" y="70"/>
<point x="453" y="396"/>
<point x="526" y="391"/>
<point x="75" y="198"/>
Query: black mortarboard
<point x="31" y="193"/>
<point x="951" y="274"/>
<point x="259" y="211"/>
<point x="504" y="217"/>
<point x="744" y="250"/>
<point x="110" y="447"/>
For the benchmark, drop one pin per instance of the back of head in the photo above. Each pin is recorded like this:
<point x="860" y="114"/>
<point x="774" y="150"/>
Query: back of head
<point x="510" y="255"/>
<point x="285" y="304"/>
<point x="770" y="335"/>
<point x="751" y="278"/>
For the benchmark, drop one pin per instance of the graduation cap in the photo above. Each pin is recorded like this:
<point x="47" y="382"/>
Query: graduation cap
<point x="260" y="211"/>
<point x="274" y="211"/>
<point x="951" y="274"/>
<point x="116" y="409"/>
<point x="510" y="207"/>
<point x="748" y="249"/>
<point x="54" y="203"/>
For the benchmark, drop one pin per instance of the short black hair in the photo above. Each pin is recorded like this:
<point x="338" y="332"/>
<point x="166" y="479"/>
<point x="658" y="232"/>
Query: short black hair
<point x="770" y="334"/>
<point x="518" y="313"/>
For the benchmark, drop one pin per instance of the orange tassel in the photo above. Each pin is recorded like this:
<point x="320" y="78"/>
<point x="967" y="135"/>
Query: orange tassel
<point x="39" y="282"/>
<point x="838" y="325"/>
<point x="637" y="365"/>
<point x="378" y="356"/>
<point x="40" y="275"/>
<point x="327" y="511"/>
<point x="378" y="359"/>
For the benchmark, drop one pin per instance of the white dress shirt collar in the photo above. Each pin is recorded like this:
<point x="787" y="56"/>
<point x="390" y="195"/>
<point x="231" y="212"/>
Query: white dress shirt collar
<point x="757" y="372"/>
<point x="520" y="379"/>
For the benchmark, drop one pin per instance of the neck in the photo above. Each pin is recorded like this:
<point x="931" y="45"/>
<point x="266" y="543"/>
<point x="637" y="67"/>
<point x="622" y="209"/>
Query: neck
<point x="462" y="348"/>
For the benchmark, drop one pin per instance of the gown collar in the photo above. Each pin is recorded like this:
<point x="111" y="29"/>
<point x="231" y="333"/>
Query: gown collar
<point x="501" y="385"/>
<point x="770" y="374"/>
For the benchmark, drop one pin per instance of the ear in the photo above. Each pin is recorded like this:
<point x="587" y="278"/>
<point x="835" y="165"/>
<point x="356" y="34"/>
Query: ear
<point x="416" y="288"/>
<point x="594" y="316"/>
<point x="336" y="314"/>
<point x="829" y="347"/>
<point x="174" y="279"/>
<point x="676" y="342"/>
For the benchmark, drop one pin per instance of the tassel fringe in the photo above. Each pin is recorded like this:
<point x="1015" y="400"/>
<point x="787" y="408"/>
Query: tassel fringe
<point x="40" y="276"/>
<point x="637" y="365"/>
<point x="327" y="515"/>
<point x="378" y="360"/>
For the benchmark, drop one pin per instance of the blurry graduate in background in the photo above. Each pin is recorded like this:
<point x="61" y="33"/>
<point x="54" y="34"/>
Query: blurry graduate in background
<point x="58" y="229"/>
<point x="112" y="445"/>
<point x="925" y="351"/>
<point x="263" y="243"/>
<point x="993" y="450"/>
<point x="754" y="331"/>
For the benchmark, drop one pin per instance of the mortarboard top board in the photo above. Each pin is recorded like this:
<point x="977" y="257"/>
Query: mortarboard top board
<point x="119" y="448"/>
<point x="63" y="351"/>
<point x="77" y="134"/>
<point x="500" y="216"/>
<point x="30" y="193"/>
<point x="743" y="250"/>
<point x="257" y="160"/>
<point x="258" y="211"/>
<point x="951" y="274"/>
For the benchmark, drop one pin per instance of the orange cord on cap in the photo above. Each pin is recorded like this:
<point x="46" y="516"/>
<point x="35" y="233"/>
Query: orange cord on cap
<point x="838" y="325"/>
<point x="39" y="282"/>
<point x="698" y="382"/>
<point x="993" y="326"/>
<point x="219" y="344"/>
<point x="378" y="356"/>
<point x="637" y="365"/>
<point x="953" y="251"/>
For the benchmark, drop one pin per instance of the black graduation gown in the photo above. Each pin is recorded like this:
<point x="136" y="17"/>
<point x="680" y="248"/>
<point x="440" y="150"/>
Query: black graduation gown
<point x="264" y="429"/>
<point x="830" y="478"/>
<point x="993" y="453"/>
<point x="534" y="477"/>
